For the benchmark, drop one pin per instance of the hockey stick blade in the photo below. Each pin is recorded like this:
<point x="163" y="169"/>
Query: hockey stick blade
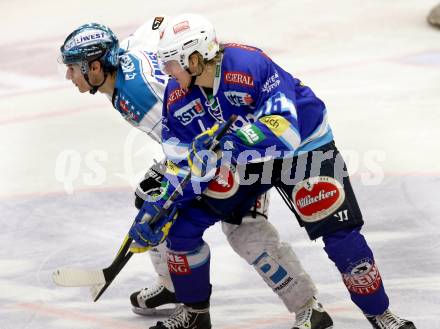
<point x="110" y="274"/>
<point x="75" y="277"/>
<point x="96" y="290"/>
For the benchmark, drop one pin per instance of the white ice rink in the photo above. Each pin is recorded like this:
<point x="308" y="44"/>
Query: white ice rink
<point x="69" y="162"/>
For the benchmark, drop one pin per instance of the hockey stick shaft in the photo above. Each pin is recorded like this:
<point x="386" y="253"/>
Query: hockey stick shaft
<point x="124" y="254"/>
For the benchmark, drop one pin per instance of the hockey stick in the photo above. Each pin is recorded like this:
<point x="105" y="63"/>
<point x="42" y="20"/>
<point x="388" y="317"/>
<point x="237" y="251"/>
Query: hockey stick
<point x="100" y="280"/>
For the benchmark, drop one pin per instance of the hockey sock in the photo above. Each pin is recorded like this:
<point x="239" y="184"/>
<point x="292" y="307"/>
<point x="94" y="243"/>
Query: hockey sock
<point x="189" y="272"/>
<point x="354" y="260"/>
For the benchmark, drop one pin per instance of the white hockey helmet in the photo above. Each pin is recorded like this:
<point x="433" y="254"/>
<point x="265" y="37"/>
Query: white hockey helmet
<point x="184" y="35"/>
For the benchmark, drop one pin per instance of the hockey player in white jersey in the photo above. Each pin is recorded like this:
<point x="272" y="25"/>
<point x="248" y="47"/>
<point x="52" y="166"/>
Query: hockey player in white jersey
<point x="130" y="76"/>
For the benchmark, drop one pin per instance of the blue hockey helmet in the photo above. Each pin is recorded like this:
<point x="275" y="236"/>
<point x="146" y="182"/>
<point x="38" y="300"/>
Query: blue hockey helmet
<point x="88" y="43"/>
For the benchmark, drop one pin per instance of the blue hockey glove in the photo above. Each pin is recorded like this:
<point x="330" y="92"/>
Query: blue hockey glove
<point x="148" y="235"/>
<point x="202" y="161"/>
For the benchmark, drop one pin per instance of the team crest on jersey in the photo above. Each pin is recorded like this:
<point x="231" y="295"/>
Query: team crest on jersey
<point x="238" y="98"/>
<point x="224" y="184"/>
<point x="239" y="78"/>
<point x="362" y="277"/>
<point x="318" y="197"/>
<point x="127" y="67"/>
<point x="190" y="111"/>
<point x="128" y="110"/>
<point x="157" y="22"/>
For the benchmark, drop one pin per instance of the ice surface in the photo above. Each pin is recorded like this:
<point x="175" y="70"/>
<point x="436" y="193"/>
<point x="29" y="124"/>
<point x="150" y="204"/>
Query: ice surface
<point x="376" y="65"/>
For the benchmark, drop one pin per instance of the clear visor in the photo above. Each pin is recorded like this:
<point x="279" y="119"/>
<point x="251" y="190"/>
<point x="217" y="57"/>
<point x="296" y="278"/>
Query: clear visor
<point x="61" y="68"/>
<point x="172" y="68"/>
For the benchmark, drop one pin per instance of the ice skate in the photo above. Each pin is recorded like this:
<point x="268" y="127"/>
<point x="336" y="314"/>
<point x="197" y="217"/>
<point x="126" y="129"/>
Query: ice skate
<point x="313" y="316"/>
<point x="187" y="317"/>
<point x="389" y="321"/>
<point x="155" y="300"/>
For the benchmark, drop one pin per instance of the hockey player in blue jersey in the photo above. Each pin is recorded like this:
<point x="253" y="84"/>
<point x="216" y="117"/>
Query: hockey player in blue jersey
<point x="281" y="138"/>
<point x="129" y="74"/>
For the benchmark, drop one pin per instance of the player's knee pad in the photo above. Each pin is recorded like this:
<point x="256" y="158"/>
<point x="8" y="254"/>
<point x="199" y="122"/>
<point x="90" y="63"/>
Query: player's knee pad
<point x="189" y="272"/>
<point x="251" y="236"/>
<point x="355" y="261"/>
<point x="257" y="241"/>
<point x="158" y="256"/>
<point x="281" y="270"/>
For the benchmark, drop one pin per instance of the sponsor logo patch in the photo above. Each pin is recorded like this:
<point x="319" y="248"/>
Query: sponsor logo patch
<point x="318" y="197"/>
<point x="190" y="111"/>
<point x="284" y="284"/>
<point x="239" y="78"/>
<point x="175" y="95"/>
<point x="251" y="135"/>
<point x="271" y="83"/>
<point x="212" y="44"/>
<point x="178" y="264"/>
<point x="363" y="277"/>
<point x="180" y="27"/>
<point x="270" y="269"/>
<point x="89" y="36"/>
<point x="157" y="22"/>
<point x="224" y="184"/>
<point x="276" y="123"/>
<point x="238" y="98"/>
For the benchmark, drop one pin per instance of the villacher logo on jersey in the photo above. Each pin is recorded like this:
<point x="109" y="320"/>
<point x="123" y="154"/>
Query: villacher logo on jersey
<point x="317" y="197"/>
<point x="224" y="184"/>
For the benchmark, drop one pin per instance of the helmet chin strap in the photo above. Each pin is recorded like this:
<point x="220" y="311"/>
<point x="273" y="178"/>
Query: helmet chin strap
<point x="193" y="78"/>
<point x="96" y="87"/>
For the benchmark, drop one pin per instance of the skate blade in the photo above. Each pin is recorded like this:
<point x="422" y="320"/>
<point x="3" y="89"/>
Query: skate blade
<point x="155" y="311"/>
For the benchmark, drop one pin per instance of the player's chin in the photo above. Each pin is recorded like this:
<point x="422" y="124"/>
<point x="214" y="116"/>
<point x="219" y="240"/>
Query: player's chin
<point x="83" y="90"/>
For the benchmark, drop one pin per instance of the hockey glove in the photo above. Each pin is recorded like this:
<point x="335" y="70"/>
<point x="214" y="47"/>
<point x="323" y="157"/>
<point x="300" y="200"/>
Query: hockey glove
<point x="150" y="185"/>
<point x="202" y="161"/>
<point x="148" y="235"/>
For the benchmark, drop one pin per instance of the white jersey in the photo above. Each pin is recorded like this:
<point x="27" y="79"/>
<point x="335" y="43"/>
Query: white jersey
<point x="140" y="83"/>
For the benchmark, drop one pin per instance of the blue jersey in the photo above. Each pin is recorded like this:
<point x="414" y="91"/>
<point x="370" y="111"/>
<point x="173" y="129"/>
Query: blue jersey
<point x="273" y="110"/>
<point x="272" y="107"/>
